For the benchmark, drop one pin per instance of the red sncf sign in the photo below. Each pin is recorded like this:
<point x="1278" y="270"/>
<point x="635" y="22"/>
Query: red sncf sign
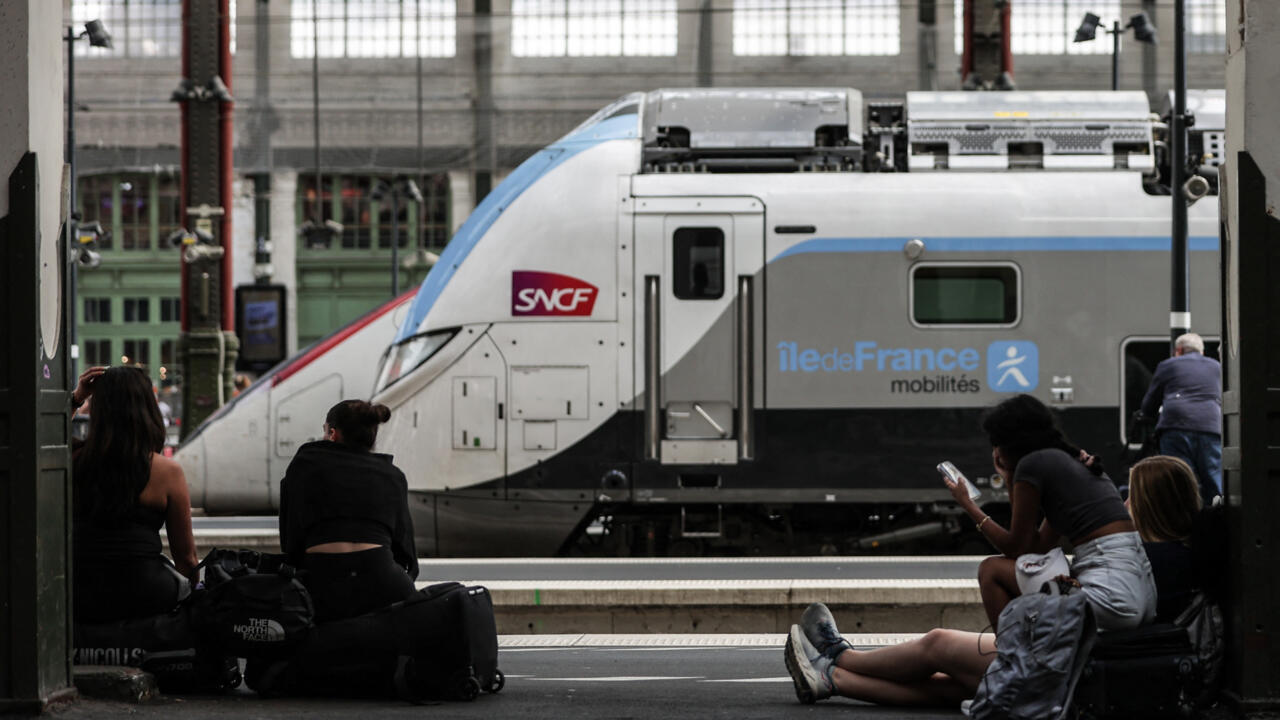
<point x="544" y="293"/>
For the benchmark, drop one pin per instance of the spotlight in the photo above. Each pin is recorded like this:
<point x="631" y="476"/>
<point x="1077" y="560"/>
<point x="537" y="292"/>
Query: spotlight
<point x="1088" y="28"/>
<point x="98" y="35"/>
<point x="87" y="258"/>
<point x="1143" y="29"/>
<point x="409" y="189"/>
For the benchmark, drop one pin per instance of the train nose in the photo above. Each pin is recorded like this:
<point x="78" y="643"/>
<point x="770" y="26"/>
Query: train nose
<point x="191" y="456"/>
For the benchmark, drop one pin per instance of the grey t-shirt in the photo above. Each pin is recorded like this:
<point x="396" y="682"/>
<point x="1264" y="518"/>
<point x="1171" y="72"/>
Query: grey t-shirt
<point x="1075" y="501"/>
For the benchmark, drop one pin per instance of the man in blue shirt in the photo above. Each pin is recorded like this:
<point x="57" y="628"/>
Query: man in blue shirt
<point x="1187" y="391"/>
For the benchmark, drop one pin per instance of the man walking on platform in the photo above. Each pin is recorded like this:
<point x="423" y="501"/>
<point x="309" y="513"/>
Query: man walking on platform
<point x="1187" y="392"/>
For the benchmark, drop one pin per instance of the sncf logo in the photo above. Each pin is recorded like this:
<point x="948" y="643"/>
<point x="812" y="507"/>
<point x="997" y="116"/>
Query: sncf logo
<point x="543" y="293"/>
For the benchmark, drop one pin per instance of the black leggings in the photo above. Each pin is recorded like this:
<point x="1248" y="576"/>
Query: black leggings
<point x="125" y="588"/>
<point x="345" y="585"/>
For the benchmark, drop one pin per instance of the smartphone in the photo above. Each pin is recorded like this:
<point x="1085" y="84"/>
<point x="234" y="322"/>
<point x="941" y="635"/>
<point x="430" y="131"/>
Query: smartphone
<point x="953" y="473"/>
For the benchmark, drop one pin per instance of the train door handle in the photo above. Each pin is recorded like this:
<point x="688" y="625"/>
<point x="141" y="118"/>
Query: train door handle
<point x="710" y="420"/>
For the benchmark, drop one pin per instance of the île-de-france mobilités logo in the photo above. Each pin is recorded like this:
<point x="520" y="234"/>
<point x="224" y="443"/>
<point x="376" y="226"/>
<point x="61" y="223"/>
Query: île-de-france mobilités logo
<point x="1013" y="366"/>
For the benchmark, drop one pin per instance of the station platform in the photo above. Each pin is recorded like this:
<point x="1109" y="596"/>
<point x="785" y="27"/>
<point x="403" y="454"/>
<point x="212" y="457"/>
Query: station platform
<point x="575" y="676"/>
<point x="540" y="596"/>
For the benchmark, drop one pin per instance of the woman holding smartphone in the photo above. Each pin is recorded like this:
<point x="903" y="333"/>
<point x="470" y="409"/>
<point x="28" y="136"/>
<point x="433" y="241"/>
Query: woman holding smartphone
<point x="1048" y="476"/>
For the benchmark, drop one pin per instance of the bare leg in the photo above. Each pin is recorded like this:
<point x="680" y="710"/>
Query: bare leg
<point x="962" y="656"/>
<point x="998" y="583"/>
<point x="938" y="689"/>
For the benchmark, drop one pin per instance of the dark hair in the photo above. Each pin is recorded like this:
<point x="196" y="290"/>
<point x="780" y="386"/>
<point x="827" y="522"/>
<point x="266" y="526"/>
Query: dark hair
<point x="125" y="429"/>
<point x="358" y="422"/>
<point x="1022" y="425"/>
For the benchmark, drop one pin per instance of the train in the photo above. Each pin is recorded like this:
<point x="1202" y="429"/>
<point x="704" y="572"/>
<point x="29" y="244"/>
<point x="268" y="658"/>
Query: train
<point x="753" y="321"/>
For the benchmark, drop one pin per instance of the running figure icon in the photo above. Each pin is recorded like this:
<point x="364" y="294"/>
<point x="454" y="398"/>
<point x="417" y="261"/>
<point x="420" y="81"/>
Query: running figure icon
<point x="1013" y="366"/>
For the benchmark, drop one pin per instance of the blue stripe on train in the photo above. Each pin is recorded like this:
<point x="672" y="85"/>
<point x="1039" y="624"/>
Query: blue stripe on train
<point x="1153" y="243"/>
<point x="496" y="202"/>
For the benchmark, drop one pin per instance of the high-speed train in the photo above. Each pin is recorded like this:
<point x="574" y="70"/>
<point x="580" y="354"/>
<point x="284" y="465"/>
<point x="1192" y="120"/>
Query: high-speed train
<point x="235" y="459"/>
<point x="754" y="320"/>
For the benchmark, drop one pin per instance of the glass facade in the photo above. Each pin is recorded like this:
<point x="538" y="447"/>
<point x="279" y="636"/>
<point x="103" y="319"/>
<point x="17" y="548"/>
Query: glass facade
<point x="816" y="27"/>
<point x="138" y="28"/>
<point x="593" y="28"/>
<point x="373" y="28"/>
<point x="1047" y="27"/>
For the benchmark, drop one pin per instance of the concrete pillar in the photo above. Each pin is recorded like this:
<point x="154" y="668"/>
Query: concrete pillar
<point x="35" y="477"/>
<point x="1251" y="349"/>
<point x="243" y="241"/>
<point x="462" y="198"/>
<point x="284" y="239"/>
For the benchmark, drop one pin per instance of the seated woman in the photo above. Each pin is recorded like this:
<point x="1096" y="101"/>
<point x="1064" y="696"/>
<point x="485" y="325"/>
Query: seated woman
<point x="943" y="667"/>
<point x="124" y="492"/>
<point x="1164" y="499"/>
<point x="344" y="516"/>
<point x="1048" y="476"/>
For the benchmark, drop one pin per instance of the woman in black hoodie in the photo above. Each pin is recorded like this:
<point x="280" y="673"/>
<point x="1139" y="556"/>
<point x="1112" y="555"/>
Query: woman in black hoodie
<point x="344" y="516"/>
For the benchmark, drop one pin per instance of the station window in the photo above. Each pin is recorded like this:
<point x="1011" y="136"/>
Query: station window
<point x="169" y="367"/>
<point x="958" y="294"/>
<point x="1047" y="27"/>
<point x="136" y="352"/>
<point x="97" y="310"/>
<point x="367" y="223"/>
<point x="1206" y="26"/>
<point x="373" y="28"/>
<point x="1140" y="356"/>
<point x="698" y="263"/>
<point x="139" y="28"/>
<point x="138" y="209"/>
<point x="593" y="28"/>
<point x="97" y="352"/>
<point x="816" y="27"/>
<point x="137" y="310"/>
<point x="170" y="309"/>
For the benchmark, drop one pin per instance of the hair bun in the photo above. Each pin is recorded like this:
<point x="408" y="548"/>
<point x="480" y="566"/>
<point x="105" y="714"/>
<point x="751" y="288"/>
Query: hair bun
<point x="382" y="412"/>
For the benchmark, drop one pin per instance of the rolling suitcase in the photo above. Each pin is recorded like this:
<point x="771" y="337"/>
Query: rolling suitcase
<point x="1149" y="672"/>
<point x="441" y="643"/>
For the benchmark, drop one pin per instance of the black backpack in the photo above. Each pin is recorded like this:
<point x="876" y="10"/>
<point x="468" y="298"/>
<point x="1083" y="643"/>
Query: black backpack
<point x="253" y="604"/>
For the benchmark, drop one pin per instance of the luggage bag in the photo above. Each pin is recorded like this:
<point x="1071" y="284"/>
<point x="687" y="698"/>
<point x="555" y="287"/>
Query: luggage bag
<point x="253" y="604"/>
<point x="441" y="643"/>
<point x="166" y="646"/>
<point x="1149" y="672"/>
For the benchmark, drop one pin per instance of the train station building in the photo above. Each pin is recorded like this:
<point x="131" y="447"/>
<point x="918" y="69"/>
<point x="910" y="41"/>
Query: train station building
<point x="454" y="96"/>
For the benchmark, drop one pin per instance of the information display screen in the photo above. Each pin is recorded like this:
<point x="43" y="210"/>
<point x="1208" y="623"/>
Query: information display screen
<point x="260" y="325"/>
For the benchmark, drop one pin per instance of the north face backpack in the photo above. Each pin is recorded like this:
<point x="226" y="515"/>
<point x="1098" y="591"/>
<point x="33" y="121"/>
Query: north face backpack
<point x="254" y="611"/>
<point x="1043" y="643"/>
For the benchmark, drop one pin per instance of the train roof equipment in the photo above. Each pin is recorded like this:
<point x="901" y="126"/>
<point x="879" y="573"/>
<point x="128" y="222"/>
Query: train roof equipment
<point x="752" y="130"/>
<point x="1045" y="130"/>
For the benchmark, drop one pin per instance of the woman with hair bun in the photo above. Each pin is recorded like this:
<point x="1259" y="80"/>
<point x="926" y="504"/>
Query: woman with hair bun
<point x="1048" y="476"/>
<point x="344" y="516"/>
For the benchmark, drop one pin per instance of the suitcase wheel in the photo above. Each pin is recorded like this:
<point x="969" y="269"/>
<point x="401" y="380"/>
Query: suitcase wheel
<point x="467" y="688"/>
<point x="499" y="681"/>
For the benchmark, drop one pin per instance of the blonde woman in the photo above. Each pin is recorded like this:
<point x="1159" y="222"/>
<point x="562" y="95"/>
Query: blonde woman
<point x="1164" y="500"/>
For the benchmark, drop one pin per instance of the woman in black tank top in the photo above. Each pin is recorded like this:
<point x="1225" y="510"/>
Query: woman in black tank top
<point x="124" y="492"/>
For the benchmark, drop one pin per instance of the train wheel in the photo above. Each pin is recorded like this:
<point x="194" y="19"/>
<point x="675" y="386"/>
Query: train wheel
<point x="499" y="682"/>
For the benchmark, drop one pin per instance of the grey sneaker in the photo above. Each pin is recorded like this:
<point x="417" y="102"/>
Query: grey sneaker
<point x="820" y="629"/>
<point x="810" y="670"/>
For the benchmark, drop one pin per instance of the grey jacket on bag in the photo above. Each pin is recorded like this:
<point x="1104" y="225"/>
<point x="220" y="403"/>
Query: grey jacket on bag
<point x="1041" y="649"/>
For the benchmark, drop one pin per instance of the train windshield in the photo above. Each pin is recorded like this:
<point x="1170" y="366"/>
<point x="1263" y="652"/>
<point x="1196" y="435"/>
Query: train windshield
<point x="404" y="357"/>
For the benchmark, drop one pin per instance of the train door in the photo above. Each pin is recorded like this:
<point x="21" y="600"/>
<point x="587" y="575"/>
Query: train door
<point x="299" y="418"/>
<point x="697" y="262"/>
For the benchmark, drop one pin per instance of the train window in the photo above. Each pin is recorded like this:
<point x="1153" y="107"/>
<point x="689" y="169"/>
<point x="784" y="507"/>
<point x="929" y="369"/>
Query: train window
<point x="698" y="265"/>
<point x="1140" y="357"/>
<point x="964" y="294"/>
